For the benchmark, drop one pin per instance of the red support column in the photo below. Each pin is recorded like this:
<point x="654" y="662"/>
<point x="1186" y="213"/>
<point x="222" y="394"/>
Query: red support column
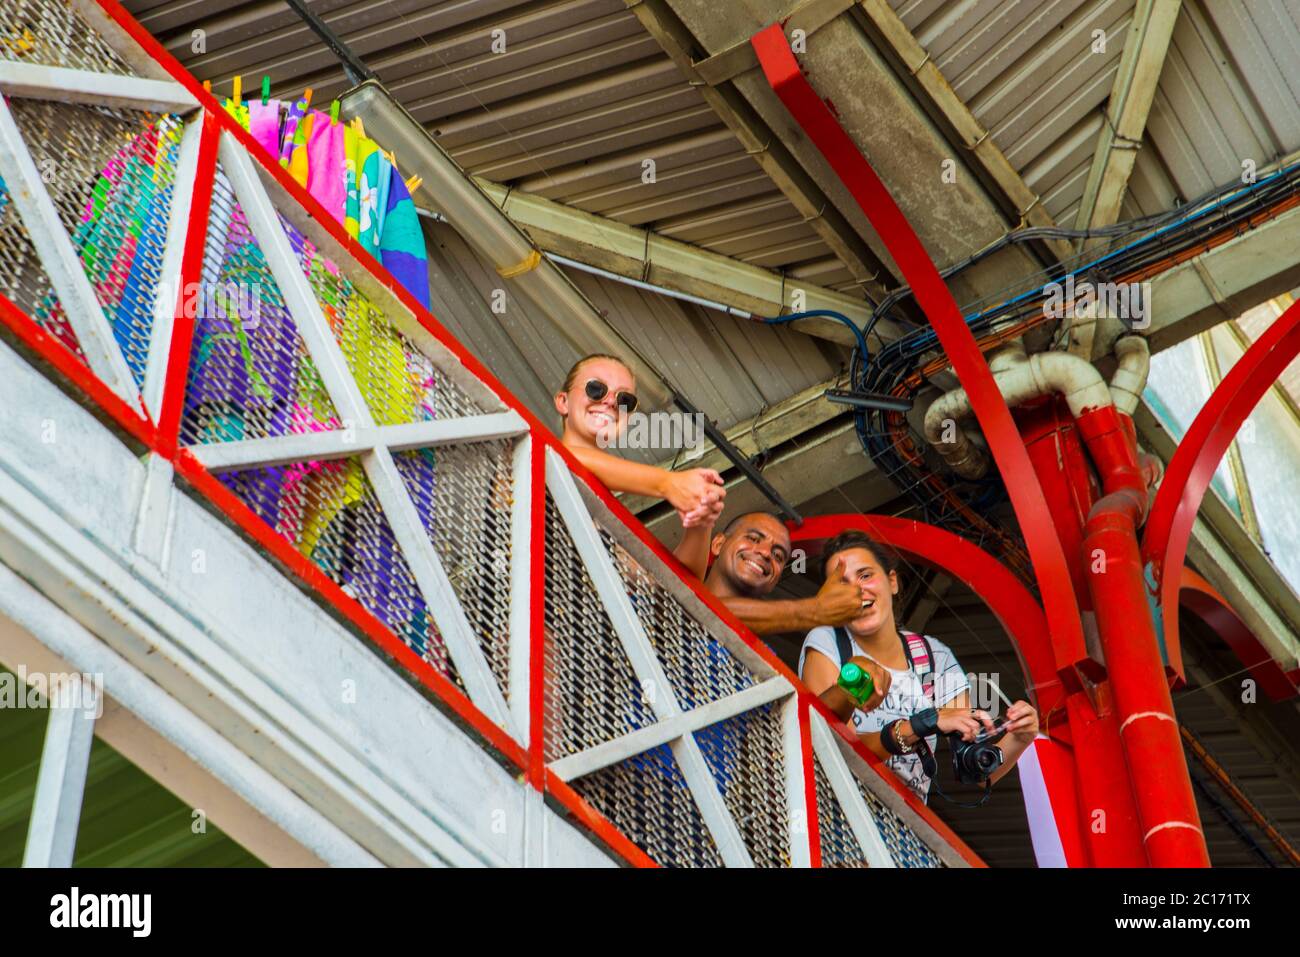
<point x="1153" y="748"/>
<point x="1106" y="812"/>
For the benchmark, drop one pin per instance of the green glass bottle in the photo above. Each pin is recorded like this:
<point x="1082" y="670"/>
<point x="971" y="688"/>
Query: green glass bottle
<point x="856" y="682"/>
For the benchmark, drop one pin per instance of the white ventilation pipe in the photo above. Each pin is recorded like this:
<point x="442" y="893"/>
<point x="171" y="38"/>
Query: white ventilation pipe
<point x="1022" y="378"/>
<point x="1130" y="379"/>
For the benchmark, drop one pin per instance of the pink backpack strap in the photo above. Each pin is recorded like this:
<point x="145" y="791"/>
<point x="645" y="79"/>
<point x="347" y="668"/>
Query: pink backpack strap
<point x="918" y="652"/>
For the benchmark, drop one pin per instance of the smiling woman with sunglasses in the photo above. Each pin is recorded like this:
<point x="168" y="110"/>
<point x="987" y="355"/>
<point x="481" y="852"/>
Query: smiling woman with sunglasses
<point x="598" y="395"/>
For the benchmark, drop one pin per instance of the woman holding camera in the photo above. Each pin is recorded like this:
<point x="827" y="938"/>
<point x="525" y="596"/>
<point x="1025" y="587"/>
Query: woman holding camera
<point x="929" y="693"/>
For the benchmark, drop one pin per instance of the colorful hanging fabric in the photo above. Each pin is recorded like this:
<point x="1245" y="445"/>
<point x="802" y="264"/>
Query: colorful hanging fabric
<point x="298" y="153"/>
<point x="352" y="203"/>
<point x="325" y="163"/>
<point x="264" y="125"/>
<point x="401" y="247"/>
<point x="293" y="116"/>
<point x="387" y="171"/>
<point x="369" y="160"/>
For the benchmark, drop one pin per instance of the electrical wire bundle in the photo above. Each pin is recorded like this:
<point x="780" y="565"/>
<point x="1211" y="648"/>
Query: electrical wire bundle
<point x="1134" y="251"/>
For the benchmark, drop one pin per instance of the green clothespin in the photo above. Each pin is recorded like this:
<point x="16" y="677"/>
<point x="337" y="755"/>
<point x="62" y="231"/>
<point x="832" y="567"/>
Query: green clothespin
<point x="266" y="89"/>
<point x="334" y="112"/>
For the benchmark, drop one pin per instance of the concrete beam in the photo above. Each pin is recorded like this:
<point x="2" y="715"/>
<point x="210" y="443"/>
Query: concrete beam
<point x="954" y="216"/>
<point x="768" y="150"/>
<point x="61" y="782"/>
<point x="1221" y="284"/>
<point x="932" y="86"/>
<point x="1130" y="101"/>
<point x="629" y="251"/>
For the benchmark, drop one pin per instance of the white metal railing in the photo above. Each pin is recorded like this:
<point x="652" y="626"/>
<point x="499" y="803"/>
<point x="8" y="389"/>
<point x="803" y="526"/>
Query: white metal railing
<point x="347" y="428"/>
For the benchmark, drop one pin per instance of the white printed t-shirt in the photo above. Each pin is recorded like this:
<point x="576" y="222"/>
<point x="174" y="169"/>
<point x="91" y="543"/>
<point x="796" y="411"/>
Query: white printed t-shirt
<point x="905" y="697"/>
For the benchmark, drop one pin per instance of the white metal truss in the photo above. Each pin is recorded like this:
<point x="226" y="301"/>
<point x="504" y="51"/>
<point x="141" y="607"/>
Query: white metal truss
<point x="645" y="664"/>
<point x="343" y="443"/>
<point x="59" y="257"/>
<point x="37" y="82"/>
<point x="377" y="460"/>
<point x="169" y="290"/>
<point x="56" y="810"/>
<point x="847" y="794"/>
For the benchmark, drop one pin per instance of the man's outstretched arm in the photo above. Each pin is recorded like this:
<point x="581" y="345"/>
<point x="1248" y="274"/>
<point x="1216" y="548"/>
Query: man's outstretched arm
<point x="837" y="603"/>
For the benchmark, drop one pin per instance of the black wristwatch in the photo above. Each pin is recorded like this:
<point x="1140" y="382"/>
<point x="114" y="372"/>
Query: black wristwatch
<point x="925" y="723"/>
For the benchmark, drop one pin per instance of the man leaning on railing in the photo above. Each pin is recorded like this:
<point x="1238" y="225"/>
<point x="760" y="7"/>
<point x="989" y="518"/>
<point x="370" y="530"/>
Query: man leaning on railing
<point x="748" y="558"/>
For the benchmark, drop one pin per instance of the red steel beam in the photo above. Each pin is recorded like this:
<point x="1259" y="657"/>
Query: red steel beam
<point x="932" y="294"/>
<point x="1199" y="597"/>
<point x="183" y="323"/>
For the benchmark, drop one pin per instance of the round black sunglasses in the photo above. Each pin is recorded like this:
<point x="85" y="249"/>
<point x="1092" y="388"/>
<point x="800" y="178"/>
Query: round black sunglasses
<point x="597" y="390"/>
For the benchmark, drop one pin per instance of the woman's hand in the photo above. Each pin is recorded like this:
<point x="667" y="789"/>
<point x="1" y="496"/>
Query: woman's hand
<point x="967" y="722"/>
<point x="1022" y="722"/>
<point x="880" y="679"/>
<point x="693" y="489"/>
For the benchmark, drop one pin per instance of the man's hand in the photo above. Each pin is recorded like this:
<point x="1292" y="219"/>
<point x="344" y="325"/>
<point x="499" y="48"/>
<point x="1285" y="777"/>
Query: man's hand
<point x="703" y="515"/>
<point x="1022" y="722"/>
<point x="880" y="679"/>
<point x="838" y="602"/>
<point x="693" y="489"/>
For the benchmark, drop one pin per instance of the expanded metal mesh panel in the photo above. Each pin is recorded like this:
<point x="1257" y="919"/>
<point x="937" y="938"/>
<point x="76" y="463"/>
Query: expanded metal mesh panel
<point x="646" y="798"/>
<point x="111" y="175"/>
<point x="23" y="280"/>
<point x="464" y="495"/>
<point x="905" y="845"/>
<point x="746" y="756"/>
<point x="400" y="383"/>
<point x="250" y="374"/>
<point x="699" y="668"/>
<point x="329" y="512"/>
<point x="50" y="32"/>
<point x="592" y="695"/>
<point x="839" y="846"/>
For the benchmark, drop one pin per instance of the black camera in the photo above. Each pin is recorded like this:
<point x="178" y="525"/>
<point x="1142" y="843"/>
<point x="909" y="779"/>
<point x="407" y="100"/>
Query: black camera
<point x="975" y="761"/>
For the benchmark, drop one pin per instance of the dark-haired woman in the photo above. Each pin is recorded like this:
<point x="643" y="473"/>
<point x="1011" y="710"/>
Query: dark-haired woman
<point x="596" y="399"/>
<point x="929" y="692"/>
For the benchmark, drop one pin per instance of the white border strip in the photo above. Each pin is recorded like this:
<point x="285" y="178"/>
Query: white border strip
<point x="64" y="85"/>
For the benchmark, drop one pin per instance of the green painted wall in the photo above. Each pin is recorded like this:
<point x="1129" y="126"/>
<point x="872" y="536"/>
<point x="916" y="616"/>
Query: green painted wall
<point x="127" y="820"/>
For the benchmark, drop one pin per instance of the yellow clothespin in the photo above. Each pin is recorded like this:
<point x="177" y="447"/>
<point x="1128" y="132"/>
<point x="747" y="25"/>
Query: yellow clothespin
<point x="413" y="184"/>
<point x="207" y="86"/>
<point x="236" y="99"/>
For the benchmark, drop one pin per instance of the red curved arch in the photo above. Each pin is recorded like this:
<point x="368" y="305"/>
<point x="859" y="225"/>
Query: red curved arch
<point x="1011" y="603"/>
<point x="1201" y="599"/>
<point x="935" y="299"/>
<point x="1186" y="480"/>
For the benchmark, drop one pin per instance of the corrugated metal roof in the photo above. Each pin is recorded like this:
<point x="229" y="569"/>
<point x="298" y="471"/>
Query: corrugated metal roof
<point x="1029" y="72"/>
<point x="581" y="95"/>
<point x="730" y="368"/>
